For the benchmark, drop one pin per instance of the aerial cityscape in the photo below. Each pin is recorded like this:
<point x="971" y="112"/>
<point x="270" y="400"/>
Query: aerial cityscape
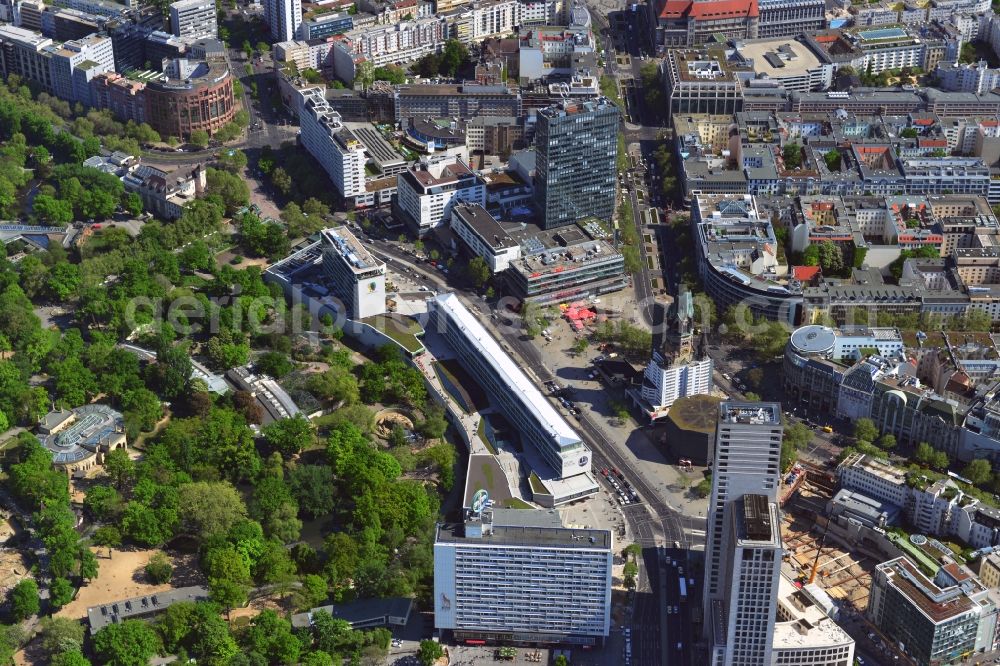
<point x="458" y="332"/>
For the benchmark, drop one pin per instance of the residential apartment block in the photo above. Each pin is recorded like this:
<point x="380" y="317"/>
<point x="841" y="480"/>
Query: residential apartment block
<point x="194" y="19"/>
<point x="933" y="618"/>
<point x="76" y="62"/>
<point x="934" y="507"/>
<point x="463" y="101"/>
<point x="428" y="192"/>
<point x="283" y="18"/>
<point x="333" y="145"/>
<point x="386" y="44"/>
<point x="736" y="257"/>
<point x="484" y="236"/>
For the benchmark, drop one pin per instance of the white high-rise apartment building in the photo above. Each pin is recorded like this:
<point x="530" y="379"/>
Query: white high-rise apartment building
<point x="283" y="18"/>
<point x="333" y="145"/>
<point x="428" y="191"/>
<point x="76" y="62"/>
<point x="738" y="555"/>
<point x="194" y="19"/>
<point x="521" y="576"/>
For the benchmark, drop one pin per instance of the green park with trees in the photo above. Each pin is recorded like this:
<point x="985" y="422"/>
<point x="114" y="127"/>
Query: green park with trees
<point x="210" y="472"/>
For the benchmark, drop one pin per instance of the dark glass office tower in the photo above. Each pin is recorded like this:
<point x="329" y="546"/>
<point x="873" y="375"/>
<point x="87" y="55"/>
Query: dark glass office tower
<point x="576" y="145"/>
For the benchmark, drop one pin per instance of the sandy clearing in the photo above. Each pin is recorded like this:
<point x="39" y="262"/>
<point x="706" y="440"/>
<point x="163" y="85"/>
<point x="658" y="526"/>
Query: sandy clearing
<point x="120" y="577"/>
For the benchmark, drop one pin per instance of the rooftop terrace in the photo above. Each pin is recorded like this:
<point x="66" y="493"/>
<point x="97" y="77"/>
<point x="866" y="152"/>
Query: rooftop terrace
<point x="349" y="247"/>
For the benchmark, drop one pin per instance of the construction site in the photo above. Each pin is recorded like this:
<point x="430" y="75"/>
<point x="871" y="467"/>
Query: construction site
<point x="812" y="553"/>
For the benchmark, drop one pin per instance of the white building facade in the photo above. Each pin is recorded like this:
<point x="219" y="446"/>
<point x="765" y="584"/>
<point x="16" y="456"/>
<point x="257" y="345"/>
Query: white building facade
<point x="352" y="274"/>
<point x="427" y="193"/>
<point x="484" y="236"/>
<point x="333" y="145"/>
<point x="521" y="577"/>
<point x="283" y="18"/>
<point x="194" y="19"/>
<point x="76" y="62"/>
<point x="664" y="383"/>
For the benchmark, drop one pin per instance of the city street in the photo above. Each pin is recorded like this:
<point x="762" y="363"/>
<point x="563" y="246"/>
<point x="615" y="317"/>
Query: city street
<point x="653" y="522"/>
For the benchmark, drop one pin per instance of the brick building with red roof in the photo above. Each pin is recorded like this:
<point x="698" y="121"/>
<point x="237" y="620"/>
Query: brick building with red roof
<point x="693" y="22"/>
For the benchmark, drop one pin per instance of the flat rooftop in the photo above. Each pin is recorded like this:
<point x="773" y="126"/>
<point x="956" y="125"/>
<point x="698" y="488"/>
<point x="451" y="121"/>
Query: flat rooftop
<point x="563" y="248"/>
<point x="435" y="89"/>
<point x="780" y="58"/>
<point x="484" y="225"/>
<point x="879" y="468"/>
<point x="349" y="247"/>
<point x="574" y="107"/>
<point x="934" y="602"/>
<point x="533" y="530"/>
<point x="23" y="35"/>
<point x="758" y="519"/>
<point x="751" y="413"/>
<point x="811" y="628"/>
<point x="378" y="149"/>
<point x="707" y="63"/>
<point x="861" y="504"/>
<point x="509" y="372"/>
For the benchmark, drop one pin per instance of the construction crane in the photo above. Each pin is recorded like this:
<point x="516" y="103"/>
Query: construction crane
<point x="819" y="551"/>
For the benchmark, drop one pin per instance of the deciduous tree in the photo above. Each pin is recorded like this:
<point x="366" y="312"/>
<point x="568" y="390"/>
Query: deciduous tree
<point x="978" y="471"/>
<point x="865" y="430"/>
<point x="128" y="643"/>
<point x="210" y="508"/>
<point x="24" y="600"/>
<point x="289" y="436"/>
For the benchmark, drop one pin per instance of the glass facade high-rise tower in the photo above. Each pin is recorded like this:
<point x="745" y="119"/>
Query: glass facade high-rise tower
<point x="576" y="146"/>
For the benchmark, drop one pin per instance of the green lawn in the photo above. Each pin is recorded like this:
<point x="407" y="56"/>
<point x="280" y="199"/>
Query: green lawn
<point x="515" y="503"/>
<point x="536" y="484"/>
<point x="403" y="331"/>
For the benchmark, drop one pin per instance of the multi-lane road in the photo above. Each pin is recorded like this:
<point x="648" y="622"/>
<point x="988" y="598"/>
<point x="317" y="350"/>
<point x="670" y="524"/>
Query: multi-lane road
<point x="267" y="127"/>
<point x="653" y="522"/>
